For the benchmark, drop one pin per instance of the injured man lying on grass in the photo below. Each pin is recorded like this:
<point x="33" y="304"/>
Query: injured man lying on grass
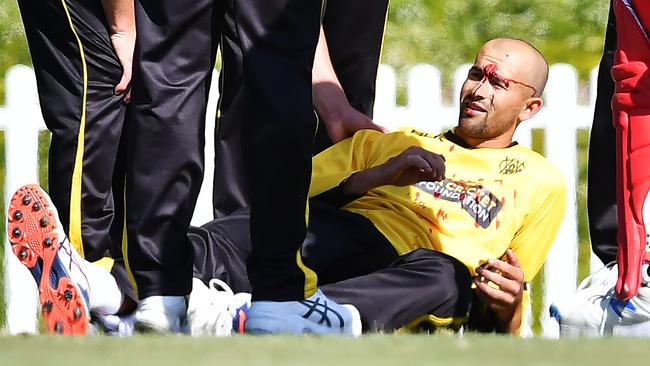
<point x="408" y="229"/>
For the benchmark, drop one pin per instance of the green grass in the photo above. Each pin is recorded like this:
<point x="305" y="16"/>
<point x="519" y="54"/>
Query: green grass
<point x="375" y="350"/>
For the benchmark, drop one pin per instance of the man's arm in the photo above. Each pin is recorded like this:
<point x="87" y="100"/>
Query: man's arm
<point x="340" y="118"/>
<point x="504" y="300"/>
<point x="413" y="165"/>
<point x="120" y="15"/>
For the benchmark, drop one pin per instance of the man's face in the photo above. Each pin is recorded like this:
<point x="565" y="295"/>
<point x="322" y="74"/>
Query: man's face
<point x="492" y="96"/>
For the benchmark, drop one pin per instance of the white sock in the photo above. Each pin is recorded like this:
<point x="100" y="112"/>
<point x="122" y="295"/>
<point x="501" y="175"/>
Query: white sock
<point x="105" y="295"/>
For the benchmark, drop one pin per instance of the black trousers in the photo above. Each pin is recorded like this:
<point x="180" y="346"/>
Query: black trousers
<point x="76" y="72"/>
<point x="355" y="265"/>
<point x="278" y="41"/>
<point x="601" y="178"/>
<point x="163" y="142"/>
<point x="354" y="31"/>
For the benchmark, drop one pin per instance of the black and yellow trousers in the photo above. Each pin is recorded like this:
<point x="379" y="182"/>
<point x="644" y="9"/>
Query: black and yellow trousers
<point x="107" y="159"/>
<point x="355" y="265"/>
<point x="76" y="72"/>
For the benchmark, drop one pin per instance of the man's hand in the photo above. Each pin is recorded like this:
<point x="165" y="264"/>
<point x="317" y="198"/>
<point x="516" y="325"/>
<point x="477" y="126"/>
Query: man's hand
<point x="120" y="15"/>
<point x="342" y="120"/>
<point x="124" y="44"/>
<point x="413" y="165"/>
<point x="505" y="300"/>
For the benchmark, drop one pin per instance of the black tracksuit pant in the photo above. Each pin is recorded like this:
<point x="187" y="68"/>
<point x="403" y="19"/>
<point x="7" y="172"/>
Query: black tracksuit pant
<point x="355" y="265"/>
<point x="173" y="62"/>
<point x="601" y="179"/>
<point x="76" y="72"/>
<point x="354" y="31"/>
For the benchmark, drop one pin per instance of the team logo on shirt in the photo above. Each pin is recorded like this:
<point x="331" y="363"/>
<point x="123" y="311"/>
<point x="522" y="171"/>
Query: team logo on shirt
<point x="478" y="201"/>
<point x="511" y="166"/>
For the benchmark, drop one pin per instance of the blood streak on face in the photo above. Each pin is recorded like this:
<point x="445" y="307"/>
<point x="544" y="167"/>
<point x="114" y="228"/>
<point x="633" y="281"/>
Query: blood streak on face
<point x="490" y="74"/>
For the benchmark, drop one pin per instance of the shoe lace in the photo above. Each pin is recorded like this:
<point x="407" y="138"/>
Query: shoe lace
<point x="217" y="311"/>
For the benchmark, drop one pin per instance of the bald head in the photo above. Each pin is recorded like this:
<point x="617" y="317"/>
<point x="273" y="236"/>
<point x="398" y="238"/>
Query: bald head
<point x="524" y="62"/>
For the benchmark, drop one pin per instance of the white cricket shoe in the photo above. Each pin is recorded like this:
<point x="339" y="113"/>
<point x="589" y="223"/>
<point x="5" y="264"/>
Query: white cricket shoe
<point x="315" y="315"/>
<point x="583" y="313"/>
<point x="160" y="314"/>
<point x="630" y="318"/>
<point x="595" y="311"/>
<point x="214" y="310"/>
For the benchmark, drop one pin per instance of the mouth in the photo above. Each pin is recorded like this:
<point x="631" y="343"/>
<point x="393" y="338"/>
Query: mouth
<point x="473" y="109"/>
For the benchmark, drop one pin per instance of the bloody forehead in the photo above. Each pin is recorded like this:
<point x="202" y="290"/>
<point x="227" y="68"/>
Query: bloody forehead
<point x="491" y="71"/>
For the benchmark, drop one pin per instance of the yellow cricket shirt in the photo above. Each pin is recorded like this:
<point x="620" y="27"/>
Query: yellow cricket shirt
<point x="491" y="199"/>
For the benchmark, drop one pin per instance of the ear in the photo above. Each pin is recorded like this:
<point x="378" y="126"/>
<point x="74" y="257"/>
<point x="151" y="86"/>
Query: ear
<point x="532" y="106"/>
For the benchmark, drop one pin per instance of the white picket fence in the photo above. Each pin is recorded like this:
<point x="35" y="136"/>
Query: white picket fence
<point x="561" y="117"/>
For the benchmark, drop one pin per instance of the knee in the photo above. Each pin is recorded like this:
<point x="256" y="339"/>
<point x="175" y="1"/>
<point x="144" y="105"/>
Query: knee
<point x="450" y="282"/>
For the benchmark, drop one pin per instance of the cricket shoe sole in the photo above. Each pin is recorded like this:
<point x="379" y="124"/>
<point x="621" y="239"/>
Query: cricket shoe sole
<point x="36" y="237"/>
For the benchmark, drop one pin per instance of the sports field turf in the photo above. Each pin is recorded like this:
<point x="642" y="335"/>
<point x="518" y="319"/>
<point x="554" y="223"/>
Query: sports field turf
<point x="394" y="350"/>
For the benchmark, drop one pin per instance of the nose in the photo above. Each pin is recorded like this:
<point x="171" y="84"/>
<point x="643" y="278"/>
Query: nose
<point x="482" y="89"/>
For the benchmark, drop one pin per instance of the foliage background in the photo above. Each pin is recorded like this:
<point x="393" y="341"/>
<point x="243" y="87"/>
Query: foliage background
<point x="442" y="33"/>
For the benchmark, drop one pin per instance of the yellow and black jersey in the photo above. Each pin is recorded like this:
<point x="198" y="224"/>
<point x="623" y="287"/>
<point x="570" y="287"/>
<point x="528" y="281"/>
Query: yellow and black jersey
<point x="492" y="198"/>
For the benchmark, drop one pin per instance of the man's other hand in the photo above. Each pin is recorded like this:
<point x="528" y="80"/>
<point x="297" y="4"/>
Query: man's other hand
<point x="500" y="285"/>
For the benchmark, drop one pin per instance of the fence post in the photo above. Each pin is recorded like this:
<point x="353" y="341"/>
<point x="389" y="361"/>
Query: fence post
<point x="385" y="97"/>
<point x="560" y="270"/>
<point x="21" y="160"/>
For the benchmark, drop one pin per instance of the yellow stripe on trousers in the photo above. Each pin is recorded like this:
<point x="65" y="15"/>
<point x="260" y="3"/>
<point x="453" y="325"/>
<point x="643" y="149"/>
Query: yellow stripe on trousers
<point x="311" y="280"/>
<point x="74" y="232"/>
<point x="125" y="249"/>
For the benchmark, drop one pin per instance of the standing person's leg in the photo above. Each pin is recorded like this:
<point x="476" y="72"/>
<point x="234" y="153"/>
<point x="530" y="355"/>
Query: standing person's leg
<point x="278" y="41"/>
<point x="601" y="178"/>
<point x="174" y="58"/>
<point x="76" y="72"/>
<point x="354" y="30"/>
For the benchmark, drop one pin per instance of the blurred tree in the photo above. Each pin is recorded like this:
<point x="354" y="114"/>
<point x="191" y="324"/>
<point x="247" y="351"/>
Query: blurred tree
<point x="13" y="46"/>
<point x="448" y="33"/>
<point x="442" y="33"/>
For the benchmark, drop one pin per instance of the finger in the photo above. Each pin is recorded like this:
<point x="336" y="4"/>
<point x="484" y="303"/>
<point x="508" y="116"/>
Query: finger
<point x="512" y="258"/>
<point x="491" y="295"/>
<point x="123" y="85"/>
<point x="505" y="284"/>
<point x="419" y="162"/>
<point x="437" y="165"/>
<point x="507" y="270"/>
<point x="127" y="97"/>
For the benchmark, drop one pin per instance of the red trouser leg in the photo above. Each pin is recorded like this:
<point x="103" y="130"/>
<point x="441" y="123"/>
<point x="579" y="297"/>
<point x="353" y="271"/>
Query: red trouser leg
<point x="631" y="112"/>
